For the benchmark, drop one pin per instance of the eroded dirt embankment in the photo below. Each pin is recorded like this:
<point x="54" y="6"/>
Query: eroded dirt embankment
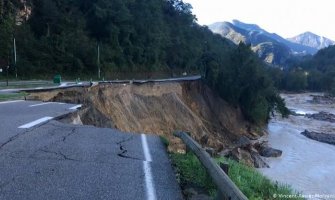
<point x="159" y="108"/>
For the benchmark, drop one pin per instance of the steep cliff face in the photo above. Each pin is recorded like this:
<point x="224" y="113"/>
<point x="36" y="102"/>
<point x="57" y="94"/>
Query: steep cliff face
<point x="160" y="108"/>
<point x="272" y="53"/>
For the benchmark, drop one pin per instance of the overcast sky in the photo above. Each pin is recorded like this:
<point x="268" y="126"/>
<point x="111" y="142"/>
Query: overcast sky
<point x="284" y="17"/>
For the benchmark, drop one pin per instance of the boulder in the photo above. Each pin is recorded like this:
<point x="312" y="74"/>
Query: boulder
<point x="322" y="116"/>
<point x="243" y="142"/>
<point x="225" y="153"/>
<point x="325" y="99"/>
<point x="210" y="151"/>
<point x="242" y="156"/>
<point x="321" y="137"/>
<point x="258" y="161"/>
<point x="266" y="151"/>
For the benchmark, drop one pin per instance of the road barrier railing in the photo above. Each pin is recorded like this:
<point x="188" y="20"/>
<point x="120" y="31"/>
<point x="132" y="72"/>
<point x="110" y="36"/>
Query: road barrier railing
<point x="226" y="187"/>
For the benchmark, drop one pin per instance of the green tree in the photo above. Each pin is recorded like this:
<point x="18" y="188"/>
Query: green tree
<point x="61" y="36"/>
<point x="296" y="80"/>
<point x="7" y="26"/>
<point x="244" y="82"/>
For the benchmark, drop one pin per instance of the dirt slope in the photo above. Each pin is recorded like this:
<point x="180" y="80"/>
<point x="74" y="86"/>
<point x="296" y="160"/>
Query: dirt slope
<point x="159" y="108"/>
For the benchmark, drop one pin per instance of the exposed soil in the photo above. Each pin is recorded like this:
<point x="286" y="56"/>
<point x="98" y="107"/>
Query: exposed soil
<point x="161" y="109"/>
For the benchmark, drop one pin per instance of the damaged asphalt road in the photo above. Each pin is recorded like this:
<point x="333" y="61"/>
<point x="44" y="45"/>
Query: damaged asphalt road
<point x="64" y="161"/>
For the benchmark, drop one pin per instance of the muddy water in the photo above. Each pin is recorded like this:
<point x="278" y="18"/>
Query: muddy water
<point x="307" y="165"/>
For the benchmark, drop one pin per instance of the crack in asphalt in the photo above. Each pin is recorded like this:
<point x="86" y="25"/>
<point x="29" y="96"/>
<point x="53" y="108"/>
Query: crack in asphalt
<point x="59" y="154"/>
<point x="55" y="131"/>
<point x="128" y="157"/>
<point x="73" y="131"/>
<point x="59" y="127"/>
<point x="11" y="139"/>
<point x="125" y="140"/>
<point x="123" y="149"/>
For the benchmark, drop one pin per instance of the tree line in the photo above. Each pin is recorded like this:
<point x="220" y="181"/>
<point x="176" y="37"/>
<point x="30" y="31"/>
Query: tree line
<point x="63" y="36"/>
<point x="312" y="73"/>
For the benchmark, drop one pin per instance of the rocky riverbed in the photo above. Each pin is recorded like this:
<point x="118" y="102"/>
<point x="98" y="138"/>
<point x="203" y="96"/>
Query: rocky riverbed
<point x="306" y="163"/>
<point x="322" y="99"/>
<point x="322" y="116"/>
<point x="321" y="137"/>
<point x="251" y="152"/>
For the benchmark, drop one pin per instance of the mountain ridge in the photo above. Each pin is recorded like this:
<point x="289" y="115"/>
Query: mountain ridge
<point x="311" y="39"/>
<point x="271" y="47"/>
<point x="255" y="30"/>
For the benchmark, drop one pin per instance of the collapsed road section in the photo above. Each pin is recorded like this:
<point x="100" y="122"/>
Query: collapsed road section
<point x="159" y="108"/>
<point x="54" y="160"/>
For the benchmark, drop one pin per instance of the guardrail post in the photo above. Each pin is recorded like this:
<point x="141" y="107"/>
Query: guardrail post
<point x="225" y="167"/>
<point x="220" y="196"/>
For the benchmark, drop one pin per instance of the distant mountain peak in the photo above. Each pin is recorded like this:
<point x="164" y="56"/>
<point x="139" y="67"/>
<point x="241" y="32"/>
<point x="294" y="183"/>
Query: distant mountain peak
<point x="309" y="33"/>
<point x="271" y="47"/>
<point x="312" y="40"/>
<point x="246" y="26"/>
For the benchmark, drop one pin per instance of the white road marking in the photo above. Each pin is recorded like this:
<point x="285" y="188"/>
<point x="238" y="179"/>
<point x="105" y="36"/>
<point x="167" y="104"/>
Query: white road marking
<point x="5" y="102"/>
<point x="75" y="107"/>
<point x="145" y="147"/>
<point x="36" y="122"/>
<point x="40" y="104"/>
<point x="149" y="183"/>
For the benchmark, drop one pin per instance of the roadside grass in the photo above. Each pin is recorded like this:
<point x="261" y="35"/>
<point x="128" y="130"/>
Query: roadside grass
<point x="192" y="172"/>
<point x="252" y="184"/>
<point x="12" y="96"/>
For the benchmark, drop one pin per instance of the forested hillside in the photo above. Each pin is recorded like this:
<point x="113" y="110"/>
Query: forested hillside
<point x="314" y="73"/>
<point x="63" y="36"/>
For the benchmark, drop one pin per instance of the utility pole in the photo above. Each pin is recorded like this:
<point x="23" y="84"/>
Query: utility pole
<point x="98" y="62"/>
<point x="7" y="68"/>
<point x="14" y="44"/>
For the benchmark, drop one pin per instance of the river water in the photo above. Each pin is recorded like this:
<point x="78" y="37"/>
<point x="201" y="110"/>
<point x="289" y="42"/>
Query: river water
<point x="307" y="165"/>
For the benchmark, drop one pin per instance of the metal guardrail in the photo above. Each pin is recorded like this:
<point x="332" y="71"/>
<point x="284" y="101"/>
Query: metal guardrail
<point x="226" y="187"/>
<point x="135" y="81"/>
<point x="89" y="84"/>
